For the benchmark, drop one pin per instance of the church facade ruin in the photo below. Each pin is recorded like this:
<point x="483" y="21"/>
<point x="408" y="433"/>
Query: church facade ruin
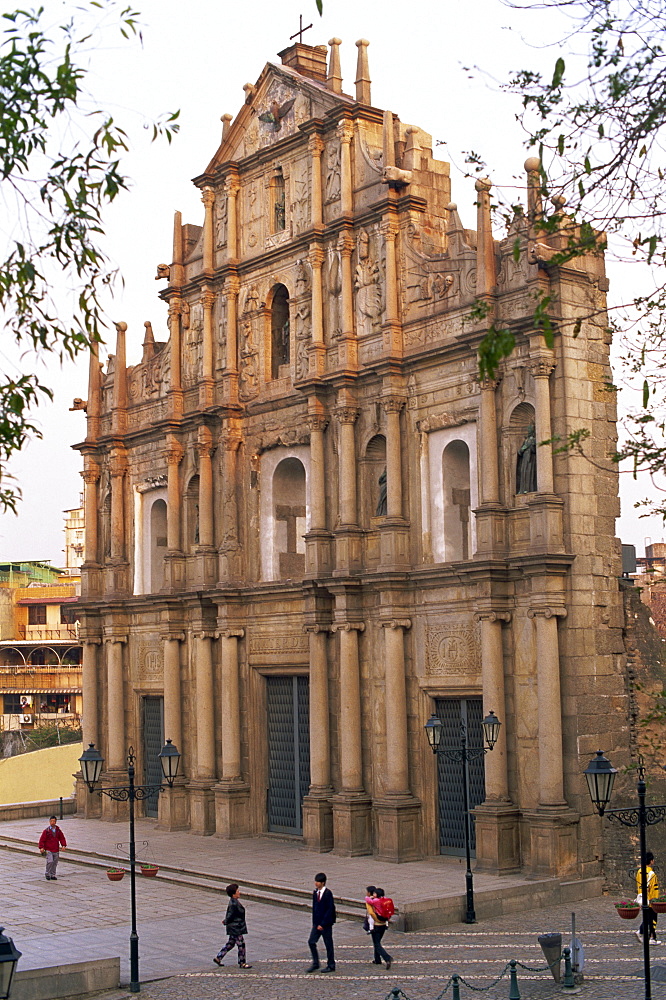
<point x="309" y="525"/>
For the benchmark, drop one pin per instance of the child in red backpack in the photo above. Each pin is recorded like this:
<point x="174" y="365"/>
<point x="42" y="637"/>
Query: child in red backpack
<point x="383" y="906"/>
<point x="378" y="925"/>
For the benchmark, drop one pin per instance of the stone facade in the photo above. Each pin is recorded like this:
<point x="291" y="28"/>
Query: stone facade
<point x="306" y="493"/>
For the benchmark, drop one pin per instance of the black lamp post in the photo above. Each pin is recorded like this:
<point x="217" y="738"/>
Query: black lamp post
<point x="463" y="754"/>
<point x="9" y="956"/>
<point x="92" y="764"/>
<point x="600" y="775"/>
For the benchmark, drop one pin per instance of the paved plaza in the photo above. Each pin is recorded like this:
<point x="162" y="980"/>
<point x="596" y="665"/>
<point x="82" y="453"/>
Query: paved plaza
<point x="84" y="916"/>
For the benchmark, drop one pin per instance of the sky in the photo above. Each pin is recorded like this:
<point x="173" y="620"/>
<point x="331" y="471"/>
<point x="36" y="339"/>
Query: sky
<point x="436" y="63"/>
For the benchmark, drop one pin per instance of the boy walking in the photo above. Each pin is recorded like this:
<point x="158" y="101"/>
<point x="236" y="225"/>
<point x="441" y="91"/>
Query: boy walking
<point x="323" y="918"/>
<point x="50" y="844"/>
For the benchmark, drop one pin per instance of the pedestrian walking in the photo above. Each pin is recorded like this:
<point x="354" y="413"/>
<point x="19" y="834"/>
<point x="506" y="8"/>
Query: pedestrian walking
<point x="652" y="892"/>
<point x="377" y="924"/>
<point x="234" y="922"/>
<point x="323" y="918"/>
<point x="51" y="842"/>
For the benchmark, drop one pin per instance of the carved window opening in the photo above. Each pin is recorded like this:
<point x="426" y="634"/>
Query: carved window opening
<point x="158" y="544"/>
<point x="278" y="201"/>
<point x="192" y="513"/>
<point x="457" y="502"/>
<point x="280" y="332"/>
<point x="289" y="512"/>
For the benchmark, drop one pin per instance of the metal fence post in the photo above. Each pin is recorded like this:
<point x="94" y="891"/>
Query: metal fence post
<point x="514" y="992"/>
<point x="568" y="982"/>
<point x="455" y="986"/>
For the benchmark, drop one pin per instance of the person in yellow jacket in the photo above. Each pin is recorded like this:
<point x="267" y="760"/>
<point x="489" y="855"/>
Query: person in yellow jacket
<point x="652" y="893"/>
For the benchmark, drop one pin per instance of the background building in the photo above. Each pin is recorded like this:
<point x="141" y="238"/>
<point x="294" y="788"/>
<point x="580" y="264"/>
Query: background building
<point x="40" y="653"/>
<point x="309" y="525"/>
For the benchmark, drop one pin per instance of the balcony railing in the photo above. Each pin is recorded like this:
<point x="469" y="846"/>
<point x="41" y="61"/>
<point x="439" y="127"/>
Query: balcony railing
<point x="43" y="633"/>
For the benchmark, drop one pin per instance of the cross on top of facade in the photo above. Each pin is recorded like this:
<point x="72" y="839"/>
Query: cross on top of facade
<point x="300" y="31"/>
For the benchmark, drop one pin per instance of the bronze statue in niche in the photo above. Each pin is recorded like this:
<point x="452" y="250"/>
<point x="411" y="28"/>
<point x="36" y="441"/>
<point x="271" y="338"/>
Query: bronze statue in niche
<point x="526" y="470"/>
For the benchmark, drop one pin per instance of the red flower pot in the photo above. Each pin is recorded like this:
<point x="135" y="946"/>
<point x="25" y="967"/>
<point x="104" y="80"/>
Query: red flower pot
<point x="149" y="871"/>
<point x="658" y="905"/>
<point x="628" y="912"/>
<point x="115" y="876"/>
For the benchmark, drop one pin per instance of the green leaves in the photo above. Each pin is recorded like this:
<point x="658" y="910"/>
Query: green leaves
<point x="558" y="73"/>
<point x="59" y="195"/>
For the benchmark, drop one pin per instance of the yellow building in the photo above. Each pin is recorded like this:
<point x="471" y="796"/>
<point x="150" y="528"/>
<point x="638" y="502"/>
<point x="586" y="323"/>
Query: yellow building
<point x="40" y="654"/>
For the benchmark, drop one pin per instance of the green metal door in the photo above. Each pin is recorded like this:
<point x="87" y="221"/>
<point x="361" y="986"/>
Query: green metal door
<point x="288" y="701"/>
<point x="453" y="712"/>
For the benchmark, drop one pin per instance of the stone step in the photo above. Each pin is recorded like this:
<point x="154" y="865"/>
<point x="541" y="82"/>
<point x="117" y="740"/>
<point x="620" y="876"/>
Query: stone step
<point x="260" y="892"/>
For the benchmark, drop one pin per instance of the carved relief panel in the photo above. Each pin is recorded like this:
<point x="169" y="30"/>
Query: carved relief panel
<point x="452" y="650"/>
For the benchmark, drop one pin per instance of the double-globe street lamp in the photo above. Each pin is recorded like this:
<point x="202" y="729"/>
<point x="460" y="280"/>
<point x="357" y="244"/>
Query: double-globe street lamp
<point x="92" y="765"/>
<point x="462" y="754"/>
<point x="600" y="775"/>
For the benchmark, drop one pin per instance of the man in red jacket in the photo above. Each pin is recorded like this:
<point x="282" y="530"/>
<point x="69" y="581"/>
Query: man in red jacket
<point x="50" y="843"/>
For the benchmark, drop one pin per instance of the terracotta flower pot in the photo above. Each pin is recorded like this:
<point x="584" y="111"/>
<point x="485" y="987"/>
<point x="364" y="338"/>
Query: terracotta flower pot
<point x="115" y="874"/>
<point x="627" y="912"/>
<point x="149" y="871"/>
<point x="658" y="905"/>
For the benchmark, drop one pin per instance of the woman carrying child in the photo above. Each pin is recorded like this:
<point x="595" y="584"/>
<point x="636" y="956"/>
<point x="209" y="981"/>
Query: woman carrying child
<point x="377" y="924"/>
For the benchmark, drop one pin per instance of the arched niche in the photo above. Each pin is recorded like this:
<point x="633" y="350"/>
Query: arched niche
<point x="192" y="514"/>
<point x="158" y="544"/>
<point x="457" y="501"/>
<point x="284" y="475"/>
<point x="519" y="445"/>
<point x="373" y="471"/>
<point x="280" y="332"/>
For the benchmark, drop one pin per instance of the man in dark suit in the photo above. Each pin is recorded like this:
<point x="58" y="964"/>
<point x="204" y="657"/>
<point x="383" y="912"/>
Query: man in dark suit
<point x="323" y="918"/>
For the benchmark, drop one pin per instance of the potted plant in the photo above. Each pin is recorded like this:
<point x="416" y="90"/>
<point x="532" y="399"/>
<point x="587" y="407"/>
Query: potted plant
<point x="115" y="874"/>
<point x="627" y="909"/>
<point x="149" y="870"/>
<point x="658" y="904"/>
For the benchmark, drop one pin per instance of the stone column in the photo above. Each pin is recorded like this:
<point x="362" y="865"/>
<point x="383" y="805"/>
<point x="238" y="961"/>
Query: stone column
<point x="497" y="818"/>
<point x="346" y="416"/>
<point x="173" y="560"/>
<point x="115" y="707"/>
<point x="91" y="507"/>
<point x="231" y="793"/>
<point x="117" y="469"/>
<point x="551" y="781"/>
<point x="392" y="341"/>
<point x="488" y="441"/>
<point x="88" y="805"/>
<point x="362" y="73"/>
<point x="398" y="813"/>
<point x="93" y="412"/>
<point x="207" y="386"/>
<point x="541" y="370"/>
<point x="392" y="406"/>
<point x="345" y="133"/>
<point x="176" y="386"/>
<point x="90" y="690"/>
<point x="205" y="452"/>
<point x="318" y="349"/>
<point x="347" y="346"/>
<point x="173" y="805"/>
<point x="317" y="809"/>
<point x="208" y="198"/>
<point x="315" y="149"/>
<point x="351" y="766"/>
<point x="202" y="800"/>
<point x="552" y="825"/>
<point x="228" y="550"/>
<point x="232" y="187"/>
<point x="351" y="807"/>
<point x="231" y="287"/>
<point x="318" y="538"/>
